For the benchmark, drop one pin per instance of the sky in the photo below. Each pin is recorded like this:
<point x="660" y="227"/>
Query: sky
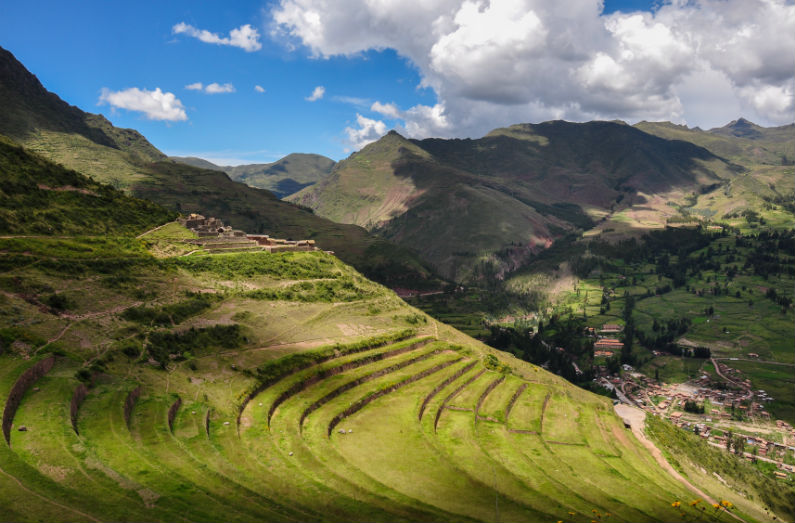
<point x="252" y="81"/>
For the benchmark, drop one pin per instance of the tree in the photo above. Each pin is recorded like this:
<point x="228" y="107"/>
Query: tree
<point x="729" y="437"/>
<point x="739" y="444"/>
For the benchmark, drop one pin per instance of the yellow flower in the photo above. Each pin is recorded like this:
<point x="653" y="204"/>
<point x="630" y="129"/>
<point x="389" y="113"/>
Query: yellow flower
<point x="676" y="504"/>
<point x="715" y="506"/>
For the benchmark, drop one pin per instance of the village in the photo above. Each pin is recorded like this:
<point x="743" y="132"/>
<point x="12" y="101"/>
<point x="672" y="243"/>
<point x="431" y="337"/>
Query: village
<point x="214" y="237"/>
<point x="727" y="414"/>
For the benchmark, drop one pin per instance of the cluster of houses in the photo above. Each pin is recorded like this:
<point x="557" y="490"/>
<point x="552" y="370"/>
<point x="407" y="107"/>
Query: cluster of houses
<point x="214" y="236"/>
<point x="606" y="343"/>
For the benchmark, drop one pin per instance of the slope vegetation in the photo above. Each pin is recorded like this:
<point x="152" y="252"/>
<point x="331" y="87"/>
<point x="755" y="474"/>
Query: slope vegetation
<point x="198" y="389"/>
<point x="282" y="387"/>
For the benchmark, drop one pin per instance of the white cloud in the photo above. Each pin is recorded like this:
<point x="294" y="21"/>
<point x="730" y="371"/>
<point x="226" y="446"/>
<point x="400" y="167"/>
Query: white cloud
<point x="259" y="88"/>
<point x="213" y="88"/>
<point x="362" y="103"/>
<point x="367" y="131"/>
<point x="156" y="105"/>
<point x="493" y="63"/>
<point x="389" y="110"/>
<point x="244" y="37"/>
<point x="317" y="94"/>
<point x="216" y="88"/>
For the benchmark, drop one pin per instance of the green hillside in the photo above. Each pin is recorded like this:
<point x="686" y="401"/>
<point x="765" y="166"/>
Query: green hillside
<point x="766" y="185"/>
<point x="39" y="197"/>
<point x="283" y="177"/>
<point x="286" y="387"/>
<point x="500" y="199"/>
<point x="89" y="144"/>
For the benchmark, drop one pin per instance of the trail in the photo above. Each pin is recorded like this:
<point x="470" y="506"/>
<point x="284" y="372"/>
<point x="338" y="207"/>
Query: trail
<point x="152" y="230"/>
<point x="636" y="417"/>
<point x="766" y="362"/>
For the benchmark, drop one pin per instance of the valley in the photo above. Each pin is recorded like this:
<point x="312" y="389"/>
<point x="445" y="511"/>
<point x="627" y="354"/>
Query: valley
<point x="178" y="346"/>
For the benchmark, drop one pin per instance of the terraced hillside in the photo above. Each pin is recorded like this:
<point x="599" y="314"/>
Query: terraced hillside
<point x="286" y="387"/>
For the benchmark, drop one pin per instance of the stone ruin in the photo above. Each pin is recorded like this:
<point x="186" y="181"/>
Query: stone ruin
<point x="217" y="237"/>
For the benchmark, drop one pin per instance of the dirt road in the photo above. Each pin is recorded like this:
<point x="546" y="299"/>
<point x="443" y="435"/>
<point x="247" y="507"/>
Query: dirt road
<point x="636" y="419"/>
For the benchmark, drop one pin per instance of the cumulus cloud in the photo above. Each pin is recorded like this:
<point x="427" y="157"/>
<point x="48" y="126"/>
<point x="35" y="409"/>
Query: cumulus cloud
<point x="368" y="130"/>
<point x="259" y="88"/>
<point x="197" y="86"/>
<point x="155" y="105"/>
<point x="493" y="63"/>
<point x="317" y="94"/>
<point x="245" y="37"/>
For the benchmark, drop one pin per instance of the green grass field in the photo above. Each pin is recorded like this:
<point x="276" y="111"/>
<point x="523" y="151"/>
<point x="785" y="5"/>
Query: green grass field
<point x="320" y="408"/>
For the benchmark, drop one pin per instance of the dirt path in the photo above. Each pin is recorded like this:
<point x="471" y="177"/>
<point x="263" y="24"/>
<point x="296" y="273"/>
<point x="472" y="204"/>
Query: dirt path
<point x="766" y="362"/>
<point x="635" y="418"/>
<point x="152" y="230"/>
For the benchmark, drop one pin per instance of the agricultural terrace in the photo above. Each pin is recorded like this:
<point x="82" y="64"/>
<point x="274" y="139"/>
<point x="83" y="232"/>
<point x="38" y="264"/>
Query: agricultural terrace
<point x="285" y="387"/>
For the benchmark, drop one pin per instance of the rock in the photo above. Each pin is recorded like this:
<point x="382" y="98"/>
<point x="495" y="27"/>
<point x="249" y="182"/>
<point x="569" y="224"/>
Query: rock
<point x="23" y="428"/>
<point x="342" y="431"/>
<point x="193" y="412"/>
<point x="226" y="423"/>
<point x="291" y="454"/>
<point x="350" y="431"/>
<point x="35" y="389"/>
<point x="260" y="404"/>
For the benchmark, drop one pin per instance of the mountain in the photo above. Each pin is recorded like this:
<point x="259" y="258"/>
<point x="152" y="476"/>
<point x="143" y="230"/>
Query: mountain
<point x="287" y="387"/>
<point x="502" y="198"/>
<point x="40" y="197"/>
<point x="123" y="158"/>
<point x="764" y="186"/>
<point x="282" y="177"/>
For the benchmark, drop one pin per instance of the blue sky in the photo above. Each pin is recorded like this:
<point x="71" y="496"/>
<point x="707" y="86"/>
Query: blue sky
<point x="427" y="81"/>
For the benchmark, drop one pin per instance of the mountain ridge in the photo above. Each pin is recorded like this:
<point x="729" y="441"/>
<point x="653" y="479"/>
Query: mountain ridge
<point x="43" y="123"/>
<point x="283" y="177"/>
<point x="518" y="188"/>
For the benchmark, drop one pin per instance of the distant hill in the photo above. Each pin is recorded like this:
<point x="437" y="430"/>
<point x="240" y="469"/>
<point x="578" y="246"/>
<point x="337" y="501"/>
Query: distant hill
<point x="496" y="201"/>
<point x="282" y="177"/>
<point x="43" y="123"/>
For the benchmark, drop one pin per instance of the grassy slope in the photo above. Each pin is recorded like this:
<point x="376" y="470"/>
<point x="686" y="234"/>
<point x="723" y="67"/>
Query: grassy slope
<point x="285" y="473"/>
<point x="39" y="197"/>
<point x="766" y="154"/>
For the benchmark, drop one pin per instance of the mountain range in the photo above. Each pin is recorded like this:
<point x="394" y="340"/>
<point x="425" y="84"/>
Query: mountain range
<point x="124" y="159"/>
<point x="498" y="200"/>
<point x="143" y="380"/>
<point x="283" y="177"/>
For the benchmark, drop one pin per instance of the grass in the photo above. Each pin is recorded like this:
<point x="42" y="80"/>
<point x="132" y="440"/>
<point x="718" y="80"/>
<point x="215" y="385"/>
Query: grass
<point x="371" y="352"/>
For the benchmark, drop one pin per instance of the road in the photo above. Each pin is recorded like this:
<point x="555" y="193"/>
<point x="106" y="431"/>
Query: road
<point x="636" y="418"/>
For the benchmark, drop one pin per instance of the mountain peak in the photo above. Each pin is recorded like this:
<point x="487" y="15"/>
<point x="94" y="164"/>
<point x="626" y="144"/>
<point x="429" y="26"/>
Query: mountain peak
<point x="741" y="128"/>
